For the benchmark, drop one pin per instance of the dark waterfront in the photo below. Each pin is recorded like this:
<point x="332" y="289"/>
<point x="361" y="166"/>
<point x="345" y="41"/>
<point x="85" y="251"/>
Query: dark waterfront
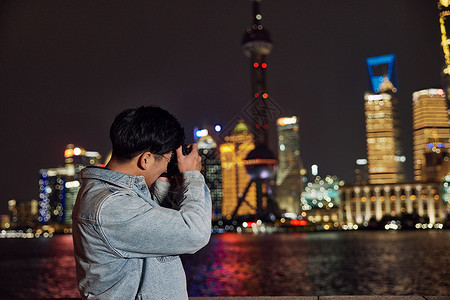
<point x="322" y="263"/>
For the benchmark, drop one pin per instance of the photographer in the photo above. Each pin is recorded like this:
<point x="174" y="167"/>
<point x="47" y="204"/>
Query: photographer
<point x="127" y="244"/>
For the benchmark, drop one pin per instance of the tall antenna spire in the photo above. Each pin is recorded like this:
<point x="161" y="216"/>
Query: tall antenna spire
<point x="260" y="162"/>
<point x="257" y="44"/>
<point x="256" y="13"/>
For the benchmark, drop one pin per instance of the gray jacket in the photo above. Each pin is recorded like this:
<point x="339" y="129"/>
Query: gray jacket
<point x="127" y="244"/>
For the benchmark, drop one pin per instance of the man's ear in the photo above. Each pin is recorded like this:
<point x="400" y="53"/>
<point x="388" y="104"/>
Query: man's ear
<point x="144" y="160"/>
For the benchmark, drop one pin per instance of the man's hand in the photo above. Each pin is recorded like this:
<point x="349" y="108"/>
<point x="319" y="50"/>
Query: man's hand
<point x="190" y="162"/>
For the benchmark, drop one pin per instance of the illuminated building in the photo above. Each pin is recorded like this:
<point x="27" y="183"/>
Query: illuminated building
<point x="235" y="178"/>
<point x="260" y="161"/>
<point x="362" y="204"/>
<point x="52" y="195"/>
<point x="444" y="13"/>
<point x="5" y="221"/>
<point x="361" y="171"/>
<point x="80" y="158"/>
<point x="289" y="182"/>
<point x="431" y="135"/>
<point x="260" y="164"/>
<point x="212" y="171"/>
<point x="23" y="214"/>
<point x="58" y="187"/>
<point x="384" y="154"/>
<point x="320" y="201"/>
<point x="248" y="166"/>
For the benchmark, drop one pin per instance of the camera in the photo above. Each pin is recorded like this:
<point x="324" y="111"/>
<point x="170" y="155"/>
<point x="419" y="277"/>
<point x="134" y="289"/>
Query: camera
<point x="172" y="167"/>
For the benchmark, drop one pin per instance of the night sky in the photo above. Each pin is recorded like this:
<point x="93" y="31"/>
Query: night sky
<point x="67" y="68"/>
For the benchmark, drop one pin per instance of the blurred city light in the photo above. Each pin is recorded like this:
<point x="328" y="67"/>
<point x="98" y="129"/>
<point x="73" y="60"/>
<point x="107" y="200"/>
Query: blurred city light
<point x="314" y="170"/>
<point x="201" y="133"/>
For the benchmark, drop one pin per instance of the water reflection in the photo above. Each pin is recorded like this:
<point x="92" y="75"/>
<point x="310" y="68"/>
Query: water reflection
<point x="326" y="263"/>
<point x="32" y="268"/>
<point x="329" y="263"/>
<point x="58" y="275"/>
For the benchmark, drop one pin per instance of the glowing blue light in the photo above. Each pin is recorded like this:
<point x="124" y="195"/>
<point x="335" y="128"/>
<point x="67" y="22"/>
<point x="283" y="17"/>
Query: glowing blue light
<point x="377" y="78"/>
<point x="264" y="174"/>
<point x="217" y="128"/>
<point x="429" y="146"/>
<point x="441" y="145"/>
<point x="201" y="133"/>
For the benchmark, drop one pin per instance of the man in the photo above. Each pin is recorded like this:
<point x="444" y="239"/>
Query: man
<point x="126" y="243"/>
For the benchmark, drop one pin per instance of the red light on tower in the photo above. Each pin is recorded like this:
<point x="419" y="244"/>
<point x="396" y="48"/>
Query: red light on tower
<point x="264" y="65"/>
<point x="255" y="65"/>
<point x="265" y="95"/>
<point x="256" y="95"/>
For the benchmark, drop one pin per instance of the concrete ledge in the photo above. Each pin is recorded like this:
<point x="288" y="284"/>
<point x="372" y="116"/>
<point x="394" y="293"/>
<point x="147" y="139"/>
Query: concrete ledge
<point x="259" y="298"/>
<point x="361" y="297"/>
<point x="364" y="297"/>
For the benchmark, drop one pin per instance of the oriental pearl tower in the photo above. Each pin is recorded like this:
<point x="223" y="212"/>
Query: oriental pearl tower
<point x="260" y="162"/>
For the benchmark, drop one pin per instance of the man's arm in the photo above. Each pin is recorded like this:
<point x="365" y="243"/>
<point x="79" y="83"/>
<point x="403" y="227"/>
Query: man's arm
<point x="161" y="187"/>
<point x="140" y="230"/>
<point x="160" y="190"/>
<point x="133" y="228"/>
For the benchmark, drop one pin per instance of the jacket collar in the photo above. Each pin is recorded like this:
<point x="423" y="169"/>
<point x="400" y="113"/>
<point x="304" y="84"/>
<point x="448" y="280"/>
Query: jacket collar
<point x="112" y="177"/>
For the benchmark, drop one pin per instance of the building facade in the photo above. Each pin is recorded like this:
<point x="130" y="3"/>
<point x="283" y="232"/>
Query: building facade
<point x="361" y="204"/>
<point x="22" y="214"/>
<point x="58" y="187"/>
<point x="289" y="179"/>
<point x="384" y="153"/>
<point x="52" y="198"/>
<point x="212" y="171"/>
<point x="431" y="135"/>
<point x="234" y="173"/>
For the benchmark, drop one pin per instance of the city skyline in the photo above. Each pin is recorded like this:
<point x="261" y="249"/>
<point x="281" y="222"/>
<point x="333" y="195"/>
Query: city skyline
<point x="69" y="68"/>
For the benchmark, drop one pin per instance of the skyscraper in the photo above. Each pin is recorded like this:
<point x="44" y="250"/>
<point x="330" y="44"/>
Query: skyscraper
<point x="76" y="158"/>
<point x="58" y="187"/>
<point x="212" y="171"/>
<point x="52" y="194"/>
<point x="289" y="182"/>
<point x="235" y="178"/>
<point x="384" y="154"/>
<point x="431" y="135"/>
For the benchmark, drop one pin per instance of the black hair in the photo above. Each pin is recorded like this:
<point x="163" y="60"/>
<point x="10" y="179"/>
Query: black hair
<point x="147" y="128"/>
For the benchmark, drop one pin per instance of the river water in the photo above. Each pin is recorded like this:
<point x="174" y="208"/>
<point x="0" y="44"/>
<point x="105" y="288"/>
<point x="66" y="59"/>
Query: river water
<point x="317" y="263"/>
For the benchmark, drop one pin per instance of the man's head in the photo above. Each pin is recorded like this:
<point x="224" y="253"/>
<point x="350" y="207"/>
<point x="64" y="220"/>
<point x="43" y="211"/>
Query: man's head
<point x="145" y="129"/>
